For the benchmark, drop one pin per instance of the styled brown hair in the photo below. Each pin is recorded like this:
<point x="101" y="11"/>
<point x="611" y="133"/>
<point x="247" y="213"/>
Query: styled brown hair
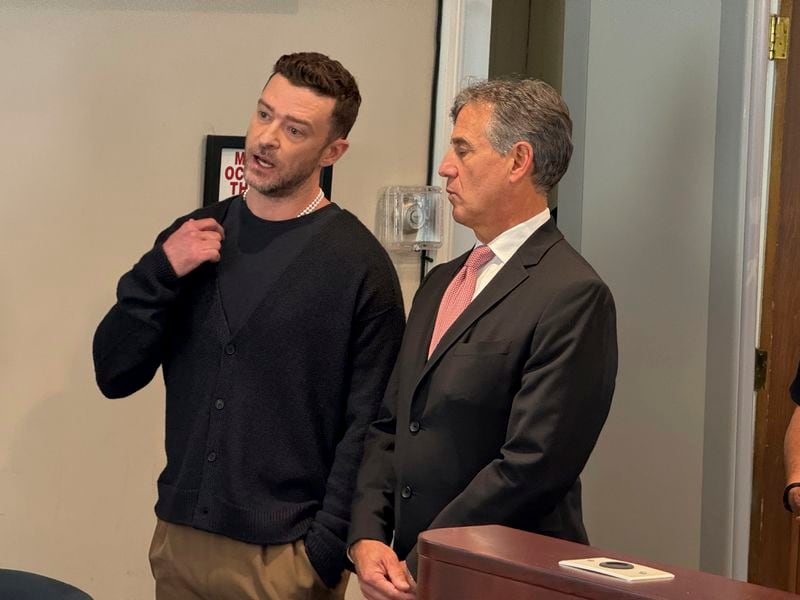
<point x="327" y="77"/>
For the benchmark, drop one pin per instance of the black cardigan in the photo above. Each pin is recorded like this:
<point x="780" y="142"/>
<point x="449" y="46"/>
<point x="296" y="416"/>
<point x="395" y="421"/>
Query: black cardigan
<point x="265" y="426"/>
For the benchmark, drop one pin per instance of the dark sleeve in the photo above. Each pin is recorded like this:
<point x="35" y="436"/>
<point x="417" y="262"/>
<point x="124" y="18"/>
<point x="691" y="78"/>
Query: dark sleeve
<point x="375" y="340"/>
<point x="373" y="501"/>
<point x="128" y="342"/>
<point x="556" y="416"/>
<point x="794" y="389"/>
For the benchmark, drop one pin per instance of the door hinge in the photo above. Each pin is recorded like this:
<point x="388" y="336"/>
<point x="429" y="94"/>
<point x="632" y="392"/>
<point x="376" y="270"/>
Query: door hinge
<point x="760" y="372"/>
<point x="778" y="37"/>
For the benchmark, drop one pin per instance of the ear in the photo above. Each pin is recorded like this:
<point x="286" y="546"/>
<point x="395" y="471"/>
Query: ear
<point x="522" y="164"/>
<point x="334" y="151"/>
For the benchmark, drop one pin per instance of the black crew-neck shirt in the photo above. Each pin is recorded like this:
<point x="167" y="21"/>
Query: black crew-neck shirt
<point x="255" y="254"/>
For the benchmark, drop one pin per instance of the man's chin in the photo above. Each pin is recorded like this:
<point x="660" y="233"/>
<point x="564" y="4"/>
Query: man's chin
<point x="279" y="188"/>
<point x="273" y="190"/>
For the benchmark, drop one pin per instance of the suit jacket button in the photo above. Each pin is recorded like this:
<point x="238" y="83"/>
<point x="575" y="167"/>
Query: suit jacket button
<point x="406" y="493"/>
<point x="413" y="427"/>
<point x="230" y="349"/>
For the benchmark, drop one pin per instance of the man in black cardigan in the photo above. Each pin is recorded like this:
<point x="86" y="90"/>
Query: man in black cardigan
<point x="276" y="317"/>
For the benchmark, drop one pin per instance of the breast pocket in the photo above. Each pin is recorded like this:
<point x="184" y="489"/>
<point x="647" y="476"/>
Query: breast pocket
<point x="471" y="391"/>
<point x="475" y="371"/>
<point x="481" y="348"/>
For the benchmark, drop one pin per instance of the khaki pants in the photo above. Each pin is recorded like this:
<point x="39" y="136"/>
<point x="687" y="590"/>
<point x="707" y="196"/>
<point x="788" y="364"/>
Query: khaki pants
<point x="189" y="564"/>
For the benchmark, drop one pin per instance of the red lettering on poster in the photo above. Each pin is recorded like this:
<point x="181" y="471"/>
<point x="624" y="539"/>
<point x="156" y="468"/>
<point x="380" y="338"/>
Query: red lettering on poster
<point x="238" y="187"/>
<point x="233" y="174"/>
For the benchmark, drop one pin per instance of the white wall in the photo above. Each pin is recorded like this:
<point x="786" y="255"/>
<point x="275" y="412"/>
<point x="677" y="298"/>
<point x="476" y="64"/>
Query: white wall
<point x="732" y="324"/>
<point x="464" y="56"/>
<point x="103" y="115"/>
<point x="645" y="200"/>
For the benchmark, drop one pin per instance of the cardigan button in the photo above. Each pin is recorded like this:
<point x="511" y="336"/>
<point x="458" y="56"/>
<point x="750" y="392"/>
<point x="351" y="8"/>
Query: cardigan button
<point x="230" y="349"/>
<point x="406" y="493"/>
<point x="212" y="456"/>
<point x="219" y="404"/>
<point x="413" y="427"/>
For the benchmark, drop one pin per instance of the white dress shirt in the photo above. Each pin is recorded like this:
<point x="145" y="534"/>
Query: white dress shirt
<point x="505" y="245"/>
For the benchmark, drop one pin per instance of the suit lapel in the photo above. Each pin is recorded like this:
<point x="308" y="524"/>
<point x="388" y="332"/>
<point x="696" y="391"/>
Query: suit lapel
<point x="512" y="274"/>
<point x="423" y="316"/>
<point x="508" y="278"/>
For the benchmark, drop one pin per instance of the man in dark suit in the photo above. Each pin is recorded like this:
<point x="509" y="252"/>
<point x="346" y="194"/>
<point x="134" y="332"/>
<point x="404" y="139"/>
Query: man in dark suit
<point x="507" y="367"/>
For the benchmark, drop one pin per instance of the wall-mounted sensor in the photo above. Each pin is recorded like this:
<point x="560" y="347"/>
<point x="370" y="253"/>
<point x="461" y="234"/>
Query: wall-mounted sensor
<point x="412" y="217"/>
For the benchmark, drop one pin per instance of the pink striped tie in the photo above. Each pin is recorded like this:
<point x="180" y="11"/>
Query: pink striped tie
<point x="459" y="293"/>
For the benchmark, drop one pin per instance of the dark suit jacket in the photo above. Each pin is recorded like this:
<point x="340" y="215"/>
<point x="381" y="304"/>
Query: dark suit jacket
<point x="497" y="425"/>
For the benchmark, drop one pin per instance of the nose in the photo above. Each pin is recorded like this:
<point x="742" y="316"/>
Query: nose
<point x="268" y="135"/>
<point x="447" y="167"/>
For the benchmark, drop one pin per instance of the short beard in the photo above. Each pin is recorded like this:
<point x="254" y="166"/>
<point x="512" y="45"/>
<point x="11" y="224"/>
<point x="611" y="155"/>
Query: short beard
<point x="285" y="187"/>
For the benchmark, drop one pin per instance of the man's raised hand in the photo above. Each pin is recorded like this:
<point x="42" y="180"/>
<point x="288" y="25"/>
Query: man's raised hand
<point x="194" y="243"/>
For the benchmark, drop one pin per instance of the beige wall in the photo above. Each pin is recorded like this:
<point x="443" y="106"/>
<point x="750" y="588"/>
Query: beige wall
<point x="103" y="113"/>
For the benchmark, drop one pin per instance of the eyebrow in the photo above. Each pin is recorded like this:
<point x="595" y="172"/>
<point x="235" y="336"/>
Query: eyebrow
<point x="287" y="117"/>
<point x="460" y="141"/>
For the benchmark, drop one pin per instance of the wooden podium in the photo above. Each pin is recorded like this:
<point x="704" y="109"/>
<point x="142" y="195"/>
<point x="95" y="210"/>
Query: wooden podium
<point x="491" y="562"/>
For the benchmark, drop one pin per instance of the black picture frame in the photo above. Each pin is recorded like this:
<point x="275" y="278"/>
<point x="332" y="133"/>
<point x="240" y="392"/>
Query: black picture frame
<point x="219" y="145"/>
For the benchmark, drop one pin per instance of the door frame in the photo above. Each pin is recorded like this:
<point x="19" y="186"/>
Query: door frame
<point x="464" y="53"/>
<point x="759" y="121"/>
<point x="774" y="528"/>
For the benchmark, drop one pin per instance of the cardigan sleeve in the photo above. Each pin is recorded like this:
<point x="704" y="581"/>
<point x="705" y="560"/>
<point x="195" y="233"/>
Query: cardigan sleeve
<point x="373" y="501"/>
<point x="127" y="346"/>
<point x="375" y="341"/>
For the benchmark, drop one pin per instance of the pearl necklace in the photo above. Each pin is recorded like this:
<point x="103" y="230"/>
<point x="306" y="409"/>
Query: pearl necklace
<point x="308" y="209"/>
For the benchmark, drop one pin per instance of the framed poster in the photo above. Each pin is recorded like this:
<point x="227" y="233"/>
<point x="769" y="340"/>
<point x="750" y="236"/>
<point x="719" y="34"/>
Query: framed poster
<point x="224" y="169"/>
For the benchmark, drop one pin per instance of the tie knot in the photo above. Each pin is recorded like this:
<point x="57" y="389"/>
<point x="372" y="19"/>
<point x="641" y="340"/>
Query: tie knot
<point x="479" y="256"/>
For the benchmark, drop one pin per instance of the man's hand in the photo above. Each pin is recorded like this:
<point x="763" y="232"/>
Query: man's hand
<point x="409" y="577"/>
<point x="380" y="574"/>
<point x="192" y="244"/>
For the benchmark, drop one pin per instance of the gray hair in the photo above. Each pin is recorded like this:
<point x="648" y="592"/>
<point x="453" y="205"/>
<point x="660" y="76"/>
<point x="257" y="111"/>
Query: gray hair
<point x="525" y="110"/>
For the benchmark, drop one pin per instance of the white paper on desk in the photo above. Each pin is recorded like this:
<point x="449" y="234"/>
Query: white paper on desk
<point x="637" y="573"/>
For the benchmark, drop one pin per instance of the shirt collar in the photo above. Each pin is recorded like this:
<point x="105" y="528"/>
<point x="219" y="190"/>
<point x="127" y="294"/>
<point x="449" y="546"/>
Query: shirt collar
<point x="507" y="243"/>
